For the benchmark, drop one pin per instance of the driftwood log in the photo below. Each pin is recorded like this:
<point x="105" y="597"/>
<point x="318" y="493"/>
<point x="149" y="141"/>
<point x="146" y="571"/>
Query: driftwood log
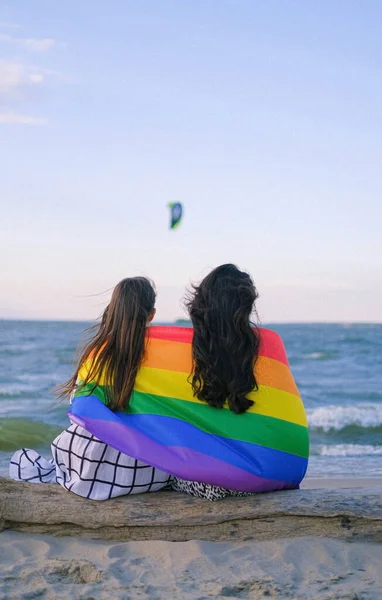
<point x="337" y="513"/>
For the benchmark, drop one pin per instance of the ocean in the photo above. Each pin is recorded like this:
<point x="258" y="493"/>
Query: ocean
<point x="337" y="367"/>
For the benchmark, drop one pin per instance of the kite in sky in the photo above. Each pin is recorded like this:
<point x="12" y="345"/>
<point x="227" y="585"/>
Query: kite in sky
<point x="176" y="211"/>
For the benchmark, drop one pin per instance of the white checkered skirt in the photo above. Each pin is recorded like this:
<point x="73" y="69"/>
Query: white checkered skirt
<point x="86" y="466"/>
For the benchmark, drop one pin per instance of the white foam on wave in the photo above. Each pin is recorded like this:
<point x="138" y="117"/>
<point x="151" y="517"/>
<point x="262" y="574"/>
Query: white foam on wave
<point x="314" y="355"/>
<point x="337" y="417"/>
<point x="350" y="450"/>
<point x="32" y="378"/>
<point x="20" y="348"/>
<point x="13" y="390"/>
<point x="30" y="409"/>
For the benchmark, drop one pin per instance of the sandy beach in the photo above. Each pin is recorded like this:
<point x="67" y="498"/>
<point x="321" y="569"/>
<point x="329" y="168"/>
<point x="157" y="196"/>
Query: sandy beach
<point x="311" y="568"/>
<point x="315" y="483"/>
<point x="307" y="568"/>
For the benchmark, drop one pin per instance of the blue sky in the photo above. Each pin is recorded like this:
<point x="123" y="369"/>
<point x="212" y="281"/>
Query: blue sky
<point x="263" y="118"/>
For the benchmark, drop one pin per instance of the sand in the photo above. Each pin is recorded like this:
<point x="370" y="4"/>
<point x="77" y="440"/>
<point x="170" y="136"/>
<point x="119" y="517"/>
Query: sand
<point x="315" y="568"/>
<point x="315" y="483"/>
<point x="65" y="568"/>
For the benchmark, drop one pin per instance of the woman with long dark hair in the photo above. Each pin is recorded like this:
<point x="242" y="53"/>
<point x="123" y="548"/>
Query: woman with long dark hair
<point x="225" y="349"/>
<point x="81" y="462"/>
<point x="225" y="346"/>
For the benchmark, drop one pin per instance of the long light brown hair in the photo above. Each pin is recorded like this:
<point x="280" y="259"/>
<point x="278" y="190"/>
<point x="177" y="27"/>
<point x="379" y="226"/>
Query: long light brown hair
<point x="117" y="345"/>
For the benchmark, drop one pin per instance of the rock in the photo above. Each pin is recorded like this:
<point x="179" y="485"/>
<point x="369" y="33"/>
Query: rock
<point x="336" y="513"/>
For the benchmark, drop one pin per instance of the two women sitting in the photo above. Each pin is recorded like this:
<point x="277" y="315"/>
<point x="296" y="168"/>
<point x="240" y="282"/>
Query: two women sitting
<point x="211" y="410"/>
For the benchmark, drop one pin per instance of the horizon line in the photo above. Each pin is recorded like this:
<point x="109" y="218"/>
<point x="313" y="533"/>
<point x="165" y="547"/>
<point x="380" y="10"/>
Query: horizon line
<point x="185" y="320"/>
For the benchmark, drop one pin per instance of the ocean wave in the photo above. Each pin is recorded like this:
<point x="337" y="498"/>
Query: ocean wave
<point x="13" y="390"/>
<point x="319" y="356"/>
<point x="32" y="377"/>
<point x="360" y="340"/>
<point x="314" y="355"/>
<point x="22" y="433"/>
<point x="336" y="418"/>
<point x="15" y="349"/>
<point x="29" y="385"/>
<point x="348" y="450"/>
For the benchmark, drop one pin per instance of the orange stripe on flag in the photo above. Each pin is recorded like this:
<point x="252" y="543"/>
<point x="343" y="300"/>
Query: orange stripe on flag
<point x="176" y="356"/>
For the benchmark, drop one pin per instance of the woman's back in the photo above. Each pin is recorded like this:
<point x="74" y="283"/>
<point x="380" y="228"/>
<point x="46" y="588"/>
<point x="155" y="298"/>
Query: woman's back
<point x="82" y="462"/>
<point x="165" y="424"/>
<point x="214" y="406"/>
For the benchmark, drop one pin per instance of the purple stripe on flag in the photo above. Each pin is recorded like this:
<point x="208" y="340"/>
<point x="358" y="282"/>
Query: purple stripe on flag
<point x="179" y="461"/>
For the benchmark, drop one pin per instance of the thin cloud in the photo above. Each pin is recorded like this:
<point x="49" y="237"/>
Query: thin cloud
<point x="31" y="44"/>
<point x="14" y="76"/>
<point x="13" y="118"/>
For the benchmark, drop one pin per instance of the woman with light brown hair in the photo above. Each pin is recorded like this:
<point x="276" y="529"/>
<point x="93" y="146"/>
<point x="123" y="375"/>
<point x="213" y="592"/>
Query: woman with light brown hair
<point x="82" y="463"/>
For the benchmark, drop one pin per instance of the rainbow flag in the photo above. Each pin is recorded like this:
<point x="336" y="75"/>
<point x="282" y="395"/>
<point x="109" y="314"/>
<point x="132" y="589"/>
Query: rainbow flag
<point x="261" y="450"/>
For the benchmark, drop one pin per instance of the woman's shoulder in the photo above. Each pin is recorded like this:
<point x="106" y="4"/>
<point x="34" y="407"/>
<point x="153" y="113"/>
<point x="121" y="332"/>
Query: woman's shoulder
<point x="171" y="333"/>
<point x="272" y="345"/>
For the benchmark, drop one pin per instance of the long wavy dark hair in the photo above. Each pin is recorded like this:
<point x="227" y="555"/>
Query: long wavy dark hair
<point x="226" y="343"/>
<point x="117" y="345"/>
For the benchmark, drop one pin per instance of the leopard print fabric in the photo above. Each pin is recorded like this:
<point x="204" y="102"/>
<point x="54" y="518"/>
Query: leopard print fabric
<point x="204" y="490"/>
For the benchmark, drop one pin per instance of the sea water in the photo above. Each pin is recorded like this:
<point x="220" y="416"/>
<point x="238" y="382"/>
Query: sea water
<point x="338" y="369"/>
